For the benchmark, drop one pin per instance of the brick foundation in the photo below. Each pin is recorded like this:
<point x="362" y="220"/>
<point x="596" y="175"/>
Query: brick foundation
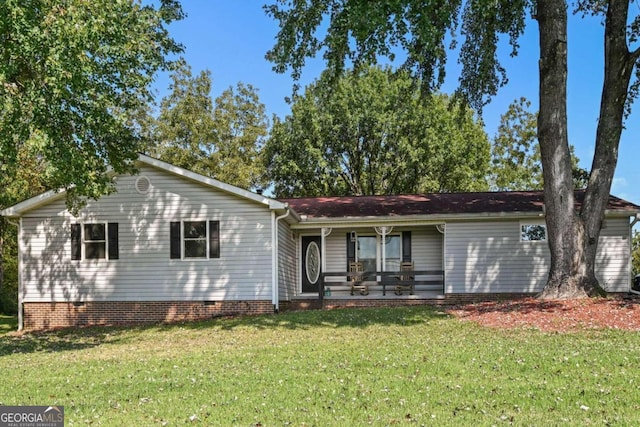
<point x="46" y="315"/>
<point x="449" y="299"/>
<point x="50" y="315"/>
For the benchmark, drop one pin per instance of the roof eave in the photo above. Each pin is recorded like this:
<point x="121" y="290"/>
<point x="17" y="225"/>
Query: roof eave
<point x="432" y="218"/>
<point x="17" y="210"/>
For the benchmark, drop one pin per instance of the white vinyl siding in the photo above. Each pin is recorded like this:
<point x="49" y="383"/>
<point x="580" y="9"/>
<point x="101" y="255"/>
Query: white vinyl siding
<point x="426" y="249"/>
<point x="489" y="257"/>
<point x="336" y="250"/>
<point x="287" y="262"/>
<point x="145" y="271"/>
<point x="612" y="261"/>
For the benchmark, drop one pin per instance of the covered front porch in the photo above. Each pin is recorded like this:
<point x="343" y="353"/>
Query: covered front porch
<point x="366" y="262"/>
<point x="406" y="282"/>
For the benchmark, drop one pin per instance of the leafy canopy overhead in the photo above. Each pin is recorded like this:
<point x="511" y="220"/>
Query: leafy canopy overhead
<point x="359" y="33"/>
<point x="372" y="133"/>
<point x="70" y="74"/>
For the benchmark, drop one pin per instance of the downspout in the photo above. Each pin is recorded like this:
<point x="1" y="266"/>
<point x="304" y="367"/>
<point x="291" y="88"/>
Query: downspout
<point x="20" y="319"/>
<point x="274" y="257"/>
<point x="634" y="222"/>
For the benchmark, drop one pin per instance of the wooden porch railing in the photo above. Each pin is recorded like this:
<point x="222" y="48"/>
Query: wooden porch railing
<point x="397" y="281"/>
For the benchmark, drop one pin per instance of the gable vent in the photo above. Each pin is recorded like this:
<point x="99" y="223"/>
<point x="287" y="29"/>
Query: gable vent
<point x="143" y="185"/>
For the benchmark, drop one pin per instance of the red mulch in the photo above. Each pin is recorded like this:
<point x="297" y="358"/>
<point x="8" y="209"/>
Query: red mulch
<point x="555" y="315"/>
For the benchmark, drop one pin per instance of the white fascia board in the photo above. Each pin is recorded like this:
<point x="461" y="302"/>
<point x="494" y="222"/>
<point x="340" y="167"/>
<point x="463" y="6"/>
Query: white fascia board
<point x="17" y="210"/>
<point x="429" y="219"/>
<point x="620" y="213"/>
<point x="409" y="219"/>
<point x="211" y="182"/>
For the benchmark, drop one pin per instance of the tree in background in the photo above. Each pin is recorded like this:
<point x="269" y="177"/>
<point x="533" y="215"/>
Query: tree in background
<point x="515" y="153"/>
<point x="372" y="133"/>
<point x="26" y="181"/>
<point x="182" y="133"/>
<point x="240" y="128"/>
<point x="357" y="33"/>
<point x="222" y="141"/>
<point x="70" y="73"/>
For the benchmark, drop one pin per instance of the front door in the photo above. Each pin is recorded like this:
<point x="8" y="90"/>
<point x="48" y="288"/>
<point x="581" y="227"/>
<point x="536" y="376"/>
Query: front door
<point x="311" y="264"/>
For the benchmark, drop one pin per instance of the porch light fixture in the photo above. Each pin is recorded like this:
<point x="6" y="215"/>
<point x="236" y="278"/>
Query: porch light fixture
<point x="354" y="236"/>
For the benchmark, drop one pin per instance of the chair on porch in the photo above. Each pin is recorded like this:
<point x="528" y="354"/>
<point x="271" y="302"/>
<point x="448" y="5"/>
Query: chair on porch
<point x="357" y="279"/>
<point x="405" y="280"/>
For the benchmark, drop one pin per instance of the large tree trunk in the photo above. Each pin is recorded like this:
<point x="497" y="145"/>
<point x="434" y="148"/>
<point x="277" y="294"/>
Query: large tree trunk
<point x="554" y="147"/>
<point x="573" y="236"/>
<point x="619" y="64"/>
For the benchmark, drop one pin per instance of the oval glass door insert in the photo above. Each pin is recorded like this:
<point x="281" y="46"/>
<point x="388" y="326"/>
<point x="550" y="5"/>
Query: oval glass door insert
<point x="312" y="262"/>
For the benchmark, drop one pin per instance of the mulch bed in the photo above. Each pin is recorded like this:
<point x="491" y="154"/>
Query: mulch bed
<point x="619" y="312"/>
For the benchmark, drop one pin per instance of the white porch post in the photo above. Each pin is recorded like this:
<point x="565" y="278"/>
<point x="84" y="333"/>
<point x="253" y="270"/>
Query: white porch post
<point x="324" y="232"/>
<point x="384" y="248"/>
<point x="383" y="231"/>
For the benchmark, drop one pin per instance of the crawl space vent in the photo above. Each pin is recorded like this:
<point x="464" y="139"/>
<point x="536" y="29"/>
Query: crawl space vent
<point x="143" y="184"/>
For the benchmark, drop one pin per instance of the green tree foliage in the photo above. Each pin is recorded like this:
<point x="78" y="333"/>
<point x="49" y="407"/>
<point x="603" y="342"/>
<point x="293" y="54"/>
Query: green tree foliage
<point x="28" y="181"/>
<point x="222" y="140"/>
<point x="240" y="127"/>
<point x="183" y="131"/>
<point x="515" y="153"/>
<point x="351" y="31"/>
<point x="372" y="133"/>
<point x="69" y="72"/>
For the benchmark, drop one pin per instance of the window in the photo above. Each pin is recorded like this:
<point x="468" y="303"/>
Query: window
<point x="368" y="250"/>
<point x="393" y="255"/>
<point x="94" y="241"/>
<point x="195" y="239"/>
<point x="533" y="232"/>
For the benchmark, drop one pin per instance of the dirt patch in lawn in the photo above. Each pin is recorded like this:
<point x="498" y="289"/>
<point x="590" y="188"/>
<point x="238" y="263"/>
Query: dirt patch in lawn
<point x="555" y="315"/>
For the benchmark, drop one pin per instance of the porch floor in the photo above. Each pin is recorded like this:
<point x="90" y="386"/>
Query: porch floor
<point x="374" y="294"/>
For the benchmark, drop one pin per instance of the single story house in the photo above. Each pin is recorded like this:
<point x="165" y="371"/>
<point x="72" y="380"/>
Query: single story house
<point x="171" y="245"/>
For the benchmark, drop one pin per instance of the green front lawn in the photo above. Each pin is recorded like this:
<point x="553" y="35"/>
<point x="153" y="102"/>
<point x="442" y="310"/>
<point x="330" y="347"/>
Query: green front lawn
<point x="400" y="366"/>
<point x="8" y="324"/>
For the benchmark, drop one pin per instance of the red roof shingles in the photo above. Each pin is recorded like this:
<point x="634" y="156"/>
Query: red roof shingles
<point x="433" y="204"/>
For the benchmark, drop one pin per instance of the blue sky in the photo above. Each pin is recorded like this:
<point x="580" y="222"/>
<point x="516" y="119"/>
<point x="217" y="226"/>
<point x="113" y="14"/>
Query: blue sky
<point x="230" y="38"/>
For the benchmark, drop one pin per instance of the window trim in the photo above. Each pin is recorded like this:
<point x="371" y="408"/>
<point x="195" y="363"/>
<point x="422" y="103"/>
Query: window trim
<point x="86" y="241"/>
<point x="532" y="223"/>
<point x="378" y="237"/>
<point x="177" y="240"/>
<point x="79" y="238"/>
<point x="400" y="247"/>
<point x="184" y="239"/>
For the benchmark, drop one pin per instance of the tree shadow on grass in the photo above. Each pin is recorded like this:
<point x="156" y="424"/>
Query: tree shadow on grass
<point x="8" y="324"/>
<point x="336" y="318"/>
<point x="523" y="306"/>
<point x="57" y="341"/>
<point x="87" y="337"/>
